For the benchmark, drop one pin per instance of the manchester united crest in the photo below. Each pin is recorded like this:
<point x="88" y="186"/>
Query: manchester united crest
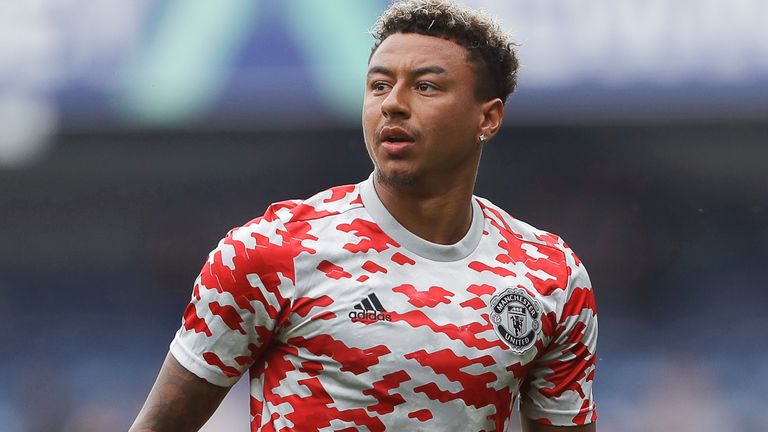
<point x="516" y="316"/>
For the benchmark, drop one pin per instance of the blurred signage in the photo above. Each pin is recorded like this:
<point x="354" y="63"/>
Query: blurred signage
<point x="246" y="63"/>
<point x="626" y="42"/>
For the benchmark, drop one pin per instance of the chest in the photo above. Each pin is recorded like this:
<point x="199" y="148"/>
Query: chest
<point x="392" y="311"/>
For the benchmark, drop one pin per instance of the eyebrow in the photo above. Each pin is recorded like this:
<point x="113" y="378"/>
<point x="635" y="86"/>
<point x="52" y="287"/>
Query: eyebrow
<point x="416" y="72"/>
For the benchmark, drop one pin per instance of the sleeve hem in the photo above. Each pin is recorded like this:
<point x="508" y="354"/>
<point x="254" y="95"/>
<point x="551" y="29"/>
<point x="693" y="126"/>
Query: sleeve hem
<point x="193" y="364"/>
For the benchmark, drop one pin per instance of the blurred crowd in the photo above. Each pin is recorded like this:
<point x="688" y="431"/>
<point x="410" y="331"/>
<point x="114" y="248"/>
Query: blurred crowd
<point x="135" y="134"/>
<point x="103" y="239"/>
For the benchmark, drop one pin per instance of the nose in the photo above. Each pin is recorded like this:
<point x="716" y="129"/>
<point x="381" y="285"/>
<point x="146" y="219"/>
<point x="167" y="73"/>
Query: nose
<point x="396" y="103"/>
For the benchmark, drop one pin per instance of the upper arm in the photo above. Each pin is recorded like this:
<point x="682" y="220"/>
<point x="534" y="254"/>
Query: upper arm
<point x="237" y="302"/>
<point x="179" y="401"/>
<point x="558" y="388"/>
<point x="531" y="426"/>
<point x="240" y="299"/>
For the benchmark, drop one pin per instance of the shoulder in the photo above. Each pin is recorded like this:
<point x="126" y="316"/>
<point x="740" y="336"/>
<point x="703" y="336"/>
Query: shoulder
<point x="328" y="203"/>
<point x="546" y="254"/>
<point x="518" y="229"/>
<point x="283" y="226"/>
<point x="290" y="214"/>
<point x="267" y="245"/>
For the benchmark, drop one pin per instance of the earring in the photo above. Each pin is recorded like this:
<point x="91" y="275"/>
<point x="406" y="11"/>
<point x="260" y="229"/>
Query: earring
<point x="481" y="138"/>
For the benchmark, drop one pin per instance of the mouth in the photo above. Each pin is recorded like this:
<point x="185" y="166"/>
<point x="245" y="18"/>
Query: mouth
<point x="395" y="140"/>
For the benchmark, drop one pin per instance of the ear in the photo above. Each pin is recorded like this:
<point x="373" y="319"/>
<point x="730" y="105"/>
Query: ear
<point x="492" y="115"/>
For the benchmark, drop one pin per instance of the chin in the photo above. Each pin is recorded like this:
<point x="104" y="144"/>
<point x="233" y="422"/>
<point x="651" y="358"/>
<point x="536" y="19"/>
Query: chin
<point x="396" y="178"/>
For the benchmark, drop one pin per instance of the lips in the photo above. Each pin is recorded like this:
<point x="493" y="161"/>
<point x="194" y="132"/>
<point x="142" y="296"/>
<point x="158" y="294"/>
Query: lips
<point x="395" y="134"/>
<point x="395" y="140"/>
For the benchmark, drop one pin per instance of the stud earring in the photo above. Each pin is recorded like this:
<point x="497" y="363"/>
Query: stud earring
<point x="481" y="138"/>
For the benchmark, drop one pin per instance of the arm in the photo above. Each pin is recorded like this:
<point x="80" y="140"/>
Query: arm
<point x="179" y="401"/>
<point x="531" y="426"/>
<point x="233" y="311"/>
<point x="557" y="391"/>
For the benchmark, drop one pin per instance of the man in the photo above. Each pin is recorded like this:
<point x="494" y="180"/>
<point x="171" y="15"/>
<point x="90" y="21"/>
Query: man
<point x="404" y="302"/>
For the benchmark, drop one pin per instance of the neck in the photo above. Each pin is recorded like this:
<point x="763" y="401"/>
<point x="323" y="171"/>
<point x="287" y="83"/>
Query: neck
<point x="439" y="211"/>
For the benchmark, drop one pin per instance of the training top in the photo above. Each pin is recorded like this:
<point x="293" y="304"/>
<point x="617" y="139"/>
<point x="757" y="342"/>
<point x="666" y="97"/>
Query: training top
<point x="346" y="321"/>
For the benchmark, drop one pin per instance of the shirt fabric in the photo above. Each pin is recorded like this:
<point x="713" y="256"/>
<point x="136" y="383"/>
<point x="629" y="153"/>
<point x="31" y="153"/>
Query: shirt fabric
<point x="346" y="321"/>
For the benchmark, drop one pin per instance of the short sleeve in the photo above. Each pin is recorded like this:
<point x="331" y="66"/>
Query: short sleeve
<point x="239" y="300"/>
<point x="558" y="389"/>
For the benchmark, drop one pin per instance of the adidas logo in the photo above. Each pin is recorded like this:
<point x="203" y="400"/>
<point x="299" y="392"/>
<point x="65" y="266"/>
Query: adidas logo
<point x="369" y="310"/>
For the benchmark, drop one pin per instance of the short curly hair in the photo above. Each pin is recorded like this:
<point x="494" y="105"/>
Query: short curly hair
<point x="489" y="48"/>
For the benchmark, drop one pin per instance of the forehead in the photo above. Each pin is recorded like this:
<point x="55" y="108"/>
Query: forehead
<point x="413" y="50"/>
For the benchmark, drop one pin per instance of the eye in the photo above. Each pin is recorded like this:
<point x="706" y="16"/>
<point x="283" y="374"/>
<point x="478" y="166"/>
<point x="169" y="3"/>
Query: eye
<point x="379" y="86"/>
<point x="425" y="87"/>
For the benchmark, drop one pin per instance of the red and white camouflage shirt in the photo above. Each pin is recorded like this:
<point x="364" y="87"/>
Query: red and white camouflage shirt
<point x="346" y="321"/>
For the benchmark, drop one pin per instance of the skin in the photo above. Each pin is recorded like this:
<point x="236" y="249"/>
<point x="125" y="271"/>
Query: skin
<point x="531" y="426"/>
<point x="179" y="401"/>
<point x="425" y="86"/>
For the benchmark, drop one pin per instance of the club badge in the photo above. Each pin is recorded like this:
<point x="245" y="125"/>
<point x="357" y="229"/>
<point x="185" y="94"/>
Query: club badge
<point x="516" y="316"/>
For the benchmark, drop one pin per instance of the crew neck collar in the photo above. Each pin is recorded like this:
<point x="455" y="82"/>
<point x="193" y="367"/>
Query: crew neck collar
<point x="424" y="248"/>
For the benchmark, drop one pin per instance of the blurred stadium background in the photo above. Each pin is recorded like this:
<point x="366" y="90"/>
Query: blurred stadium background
<point x="134" y="134"/>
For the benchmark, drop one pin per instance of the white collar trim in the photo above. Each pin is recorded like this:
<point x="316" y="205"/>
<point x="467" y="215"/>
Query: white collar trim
<point x="424" y="248"/>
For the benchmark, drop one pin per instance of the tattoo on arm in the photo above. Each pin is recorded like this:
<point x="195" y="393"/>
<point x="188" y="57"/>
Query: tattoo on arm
<point x="531" y="426"/>
<point x="179" y="401"/>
